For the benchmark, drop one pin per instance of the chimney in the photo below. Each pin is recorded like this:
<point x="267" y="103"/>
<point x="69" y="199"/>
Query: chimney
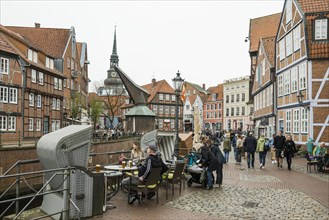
<point x="153" y="81"/>
<point x="204" y="86"/>
<point x="37" y="25"/>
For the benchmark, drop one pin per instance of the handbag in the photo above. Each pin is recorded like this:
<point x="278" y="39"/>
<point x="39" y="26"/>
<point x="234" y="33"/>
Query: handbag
<point x="282" y="154"/>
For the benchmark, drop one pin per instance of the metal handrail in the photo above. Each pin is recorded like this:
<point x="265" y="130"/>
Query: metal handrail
<point x="18" y="163"/>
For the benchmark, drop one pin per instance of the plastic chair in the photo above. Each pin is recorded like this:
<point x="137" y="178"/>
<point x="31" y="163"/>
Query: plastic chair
<point x="151" y="185"/>
<point x="175" y="177"/>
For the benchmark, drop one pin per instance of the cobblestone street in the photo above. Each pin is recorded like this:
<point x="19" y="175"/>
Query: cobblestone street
<point x="269" y="193"/>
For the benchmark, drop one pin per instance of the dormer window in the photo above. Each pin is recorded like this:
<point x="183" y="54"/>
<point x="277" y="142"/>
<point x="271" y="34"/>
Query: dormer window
<point x="321" y="29"/>
<point x="32" y="55"/>
<point x="49" y="63"/>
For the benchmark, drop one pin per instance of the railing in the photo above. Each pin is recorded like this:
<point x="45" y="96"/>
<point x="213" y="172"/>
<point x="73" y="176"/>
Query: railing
<point x="18" y="177"/>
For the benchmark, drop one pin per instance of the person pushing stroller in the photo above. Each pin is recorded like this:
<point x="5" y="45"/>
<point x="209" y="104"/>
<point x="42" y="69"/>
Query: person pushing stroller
<point x="209" y="161"/>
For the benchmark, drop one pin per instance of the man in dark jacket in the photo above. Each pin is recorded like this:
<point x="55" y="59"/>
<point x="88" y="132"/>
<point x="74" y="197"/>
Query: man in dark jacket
<point x="249" y="146"/>
<point x="221" y="159"/>
<point x="279" y="141"/>
<point x="152" y="161"/>
<point x="210" y="161"/>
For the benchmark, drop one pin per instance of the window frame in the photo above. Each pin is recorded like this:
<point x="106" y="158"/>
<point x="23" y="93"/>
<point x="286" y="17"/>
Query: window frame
<point x="288" y="121"/>
<point x="296" y="33"/>
<point x="3" y="123"/>
<point x="280" y="85"/>
<point x="288" y="11"/>
<point x="325" y="36"/>
<point x="39" y="101"/>
<point x="11" y="123"/>
<point x="33" y="76"/>
<point x="288" y="44"/>
<point x="5" y="65"/>
<point x="38" y="124"/>
<point x="302" y="76"/>
<point x="13" y="99"/>
<point x="287" y="82"/>
<point x="31" y="99"/>
<point x="296" y="121"/>
<point x="304" y="121"/>
<point x="4" y="94"/>
<point x="282" y="49"/>
<point x="31" y="124"/>
<point x="294" y="79"/>
<point x="41" y="77"/>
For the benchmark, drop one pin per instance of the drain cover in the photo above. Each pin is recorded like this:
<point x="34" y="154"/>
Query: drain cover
<point x="250" y="204"/>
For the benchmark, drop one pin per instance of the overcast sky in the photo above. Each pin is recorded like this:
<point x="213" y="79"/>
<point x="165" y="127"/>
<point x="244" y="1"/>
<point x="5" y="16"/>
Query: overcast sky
<point x="204" y="40"/>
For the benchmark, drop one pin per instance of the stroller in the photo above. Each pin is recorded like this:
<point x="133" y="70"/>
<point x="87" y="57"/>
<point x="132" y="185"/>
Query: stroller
<point x="197" y="174"/>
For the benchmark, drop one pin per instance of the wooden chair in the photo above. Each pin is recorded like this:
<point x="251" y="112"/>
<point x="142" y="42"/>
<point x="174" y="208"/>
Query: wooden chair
<point x="151" y="185"/>
<point x="175" y="177"/>
<point x="311" y="163"/>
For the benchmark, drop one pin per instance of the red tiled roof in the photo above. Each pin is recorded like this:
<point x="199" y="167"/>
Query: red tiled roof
<point x="311" y="6"/>
<point x="262" y="27"/>
<point x="215" y="90"/>
<point x="40" y="37"/>
<point x="161" y="86"/>
<point x="4" y="46"/>
<point x="32" y="64"/>
<point x="269" y="47"/>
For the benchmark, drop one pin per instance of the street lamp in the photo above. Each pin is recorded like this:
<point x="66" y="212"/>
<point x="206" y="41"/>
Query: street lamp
<point x="178" y="84"/>
<point x="300" y="98"/>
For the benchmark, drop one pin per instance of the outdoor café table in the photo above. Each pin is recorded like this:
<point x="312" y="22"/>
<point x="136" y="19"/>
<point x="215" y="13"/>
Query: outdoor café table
<point x="117" y="177"/>
<point x="119" y="168"/>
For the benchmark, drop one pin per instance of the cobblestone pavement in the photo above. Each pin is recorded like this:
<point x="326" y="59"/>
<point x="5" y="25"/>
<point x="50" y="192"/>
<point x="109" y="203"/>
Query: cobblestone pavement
<point x="269" y="193"/>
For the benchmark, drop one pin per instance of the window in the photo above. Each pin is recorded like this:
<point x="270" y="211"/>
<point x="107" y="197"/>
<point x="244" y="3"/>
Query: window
<point x="64" y="102"/>
<point x="3" y="123"/>
<point x="167" y="110"/>
<point x="237" y="111"/>
<point x="160" y="96"/>
<point x="227" y="99"/>
<point x="237" y="97"/>
<point x="4" y="65"/>
<point x="58" y="124"/>
<point x="289" y="44"/>
<point x="296" y="33"/>
<point x="38" y="125"/>
<point x="155" y="109"/>
<point x="60" y="84"/>
<point x="288" y="121"/>
<point x="172" y="123"/>
<point x="49" y="63"/>
<point x="287" y="82"/>
<point x="55" y="83"/>
<point x="271" y="94"/>
<point x="302" y="76"/>
<point x="68" y="62"/>
<point x="213" y="97"/>
<point x="3" y="94"/>
<point x="227" y="111"/>
<point x="58" y="104"/>
<point x="31" y="99"/>
<point x="304" y="119"/>
<point x="68" y="83"/>
<point x="288" y="11"/>
<point x="160" y="121"/>
<point x="232" y="98"/>
<point x="54" y="104"/>
<point x="167" y="97"/>
<point x="207" y="115"/>
<point x="13" y="95"/>
<point x="281" y="49"/>
<point x="41" y="78"/>
<point x="268" y="96"/>
<point x="33" y="76"/>
<point x="53" y="125"/>
<point x="294" y="80"/>
<point x="173" y="98"/>
<point x="296" y="121"/>
<point x="243" y="97"/>
<point x="30" y="124"/>
<point x="173" y="108"/>
<point x="280" y="85"/>
<point x="11" y="123"/>
<point x="321" y="29"/>
<point x="232" y="111"/>
<point x="243" y="110"/>
<point x="160" y="109"/>
<point x="32" y="55"/>
<point x="39" y="101"/>
<point x="260" y="100"/>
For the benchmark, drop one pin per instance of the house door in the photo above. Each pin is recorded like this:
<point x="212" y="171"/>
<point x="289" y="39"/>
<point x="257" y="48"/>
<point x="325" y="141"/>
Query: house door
<point x="45" y="125"/>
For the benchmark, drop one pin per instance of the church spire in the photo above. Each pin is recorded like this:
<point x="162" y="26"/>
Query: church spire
<point x="114" y="57"/>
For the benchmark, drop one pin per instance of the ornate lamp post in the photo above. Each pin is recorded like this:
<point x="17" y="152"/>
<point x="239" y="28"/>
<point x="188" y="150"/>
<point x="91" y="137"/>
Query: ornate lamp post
<point x="178" y="84"/>
<point x="300" y="98"/>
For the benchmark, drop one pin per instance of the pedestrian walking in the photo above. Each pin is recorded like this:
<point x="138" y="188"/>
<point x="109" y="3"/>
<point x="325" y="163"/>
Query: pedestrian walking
<point x="261" y="150"/>
<point x="239" y="151"/>
<point x="233" y="144"/>
<point x="249" y="146"/>
<point x="279" y="141"/>
<point x="226" y="147"/>
<point x="221" y="159"/>
<point x="289" y="150"/>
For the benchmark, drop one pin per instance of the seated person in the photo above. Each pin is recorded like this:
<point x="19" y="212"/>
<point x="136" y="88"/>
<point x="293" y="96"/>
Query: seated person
<point x="322" y="157"/>
<point x="136" y="153"/>
<point x="152" y="161"/>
